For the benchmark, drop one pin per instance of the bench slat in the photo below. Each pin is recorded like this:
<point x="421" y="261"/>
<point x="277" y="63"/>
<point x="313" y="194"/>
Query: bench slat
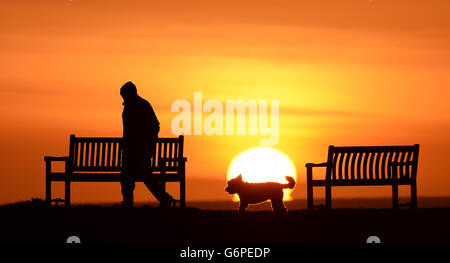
<point x="358" y="175"/>
<point x="97" y="155"/>
<point x="388" y="169"/>
<point x="177" y="145"/>
<point x="75" y="153"/>
<point x="377" y="165"/>
<point x="108" y="157"/>
<point x="346" y="171"/>
<point x="86" y="154"/>
<point x="159" y="152"/>
<point x="171" y="164"/>
<point x="119" y="155"/>
<point x="91" y="162"/>
<point x="371" y="161"/>
<point x="341" y="160"/>
<point x="397" y="156"/>
<point x="114" y="153"/>
<point x="400" y="168"/>
<point x="352" y="176"/>
<point x="334" y="166"/>
<point x="408" y="168"/>
<point x="81" y="154"/>
<point x="366" y="157"/>
<point x="165" y="150"/>
<point x="403" y="169"/>
<point x="383" y="165"/>
<point x="103" y="153"/>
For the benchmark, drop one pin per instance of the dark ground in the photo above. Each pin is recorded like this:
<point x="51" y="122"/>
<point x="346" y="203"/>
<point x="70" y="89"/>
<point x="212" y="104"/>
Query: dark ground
<point x="33" y="222"/>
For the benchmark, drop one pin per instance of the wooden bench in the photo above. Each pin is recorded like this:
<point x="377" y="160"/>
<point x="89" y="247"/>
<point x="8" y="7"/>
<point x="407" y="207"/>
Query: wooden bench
<point x="372" y="165"/>
<point x="98" y="159"/>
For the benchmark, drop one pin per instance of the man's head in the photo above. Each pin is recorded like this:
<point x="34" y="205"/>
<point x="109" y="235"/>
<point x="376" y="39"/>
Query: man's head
<point x="128" y="91"/>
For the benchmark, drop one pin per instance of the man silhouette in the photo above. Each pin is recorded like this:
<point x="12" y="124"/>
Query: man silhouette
<point x="140" y="130"/>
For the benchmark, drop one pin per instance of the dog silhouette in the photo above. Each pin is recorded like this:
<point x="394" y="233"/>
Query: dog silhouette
<point x="254" y="193"/>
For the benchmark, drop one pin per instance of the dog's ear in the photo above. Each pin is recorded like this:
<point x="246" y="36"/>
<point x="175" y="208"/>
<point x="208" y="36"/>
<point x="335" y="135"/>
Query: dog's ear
<point x="239" y="177"/>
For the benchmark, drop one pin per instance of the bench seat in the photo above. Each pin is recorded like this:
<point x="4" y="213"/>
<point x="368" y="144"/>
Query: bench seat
<point x="111" y="177"/>
<point x="354" y="182"/>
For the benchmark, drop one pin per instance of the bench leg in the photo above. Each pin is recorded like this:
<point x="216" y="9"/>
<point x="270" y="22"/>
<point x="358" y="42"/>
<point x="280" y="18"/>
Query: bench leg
<point x="309" y="188"/>
<point x="67" y="193"/>
<point x="395" y="196"/>
<point x="310" y="198"/>
<point x="413" y="195"/>
<point x="183" y="193"/>
<point x="328" y="196"/>
<point x="48" y="184"/>
<point x="48" y="192"/>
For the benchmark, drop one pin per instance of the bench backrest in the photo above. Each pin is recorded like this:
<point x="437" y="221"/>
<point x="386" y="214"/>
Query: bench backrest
<point x="372" y="162"/>
<point x="105" y="154"/>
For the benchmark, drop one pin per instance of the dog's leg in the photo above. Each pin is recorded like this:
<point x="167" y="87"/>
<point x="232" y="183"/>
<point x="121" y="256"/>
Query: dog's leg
<point x="242" y="207"/>
<point x="278" y="206"/>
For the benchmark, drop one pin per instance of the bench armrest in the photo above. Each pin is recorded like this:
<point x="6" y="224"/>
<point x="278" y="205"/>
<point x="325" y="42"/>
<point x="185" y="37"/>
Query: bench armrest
<point x="48" y="163"/>
<point x="309" y="171"/>
<point x="316" y="165"/>
<point x="54" y="158"/>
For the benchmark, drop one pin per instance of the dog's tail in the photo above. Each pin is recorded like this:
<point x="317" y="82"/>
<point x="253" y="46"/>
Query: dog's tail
<point x="291" y="182"/>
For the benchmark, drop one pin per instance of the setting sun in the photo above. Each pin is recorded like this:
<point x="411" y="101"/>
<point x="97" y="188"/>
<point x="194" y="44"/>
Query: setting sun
<point x="263" y="164"/>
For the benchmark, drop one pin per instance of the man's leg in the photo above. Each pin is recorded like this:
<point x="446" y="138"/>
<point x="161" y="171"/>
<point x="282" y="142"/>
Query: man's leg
<point x="128" y="181"/>
<point x="128" y="186"/>
<point x="157" y="189"/>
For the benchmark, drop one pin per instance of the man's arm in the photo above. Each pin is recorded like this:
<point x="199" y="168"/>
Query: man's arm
<point x="153" y="120"/>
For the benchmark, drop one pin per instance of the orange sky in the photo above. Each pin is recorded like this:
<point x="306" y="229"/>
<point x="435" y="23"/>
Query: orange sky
<point x="345" y="72"/>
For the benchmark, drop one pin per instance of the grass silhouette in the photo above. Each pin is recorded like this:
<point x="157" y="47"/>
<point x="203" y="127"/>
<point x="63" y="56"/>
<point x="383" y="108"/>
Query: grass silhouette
<point x="32" y="221"/>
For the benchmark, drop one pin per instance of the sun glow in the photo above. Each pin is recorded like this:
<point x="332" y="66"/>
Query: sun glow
<point x="263" y="164"/>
